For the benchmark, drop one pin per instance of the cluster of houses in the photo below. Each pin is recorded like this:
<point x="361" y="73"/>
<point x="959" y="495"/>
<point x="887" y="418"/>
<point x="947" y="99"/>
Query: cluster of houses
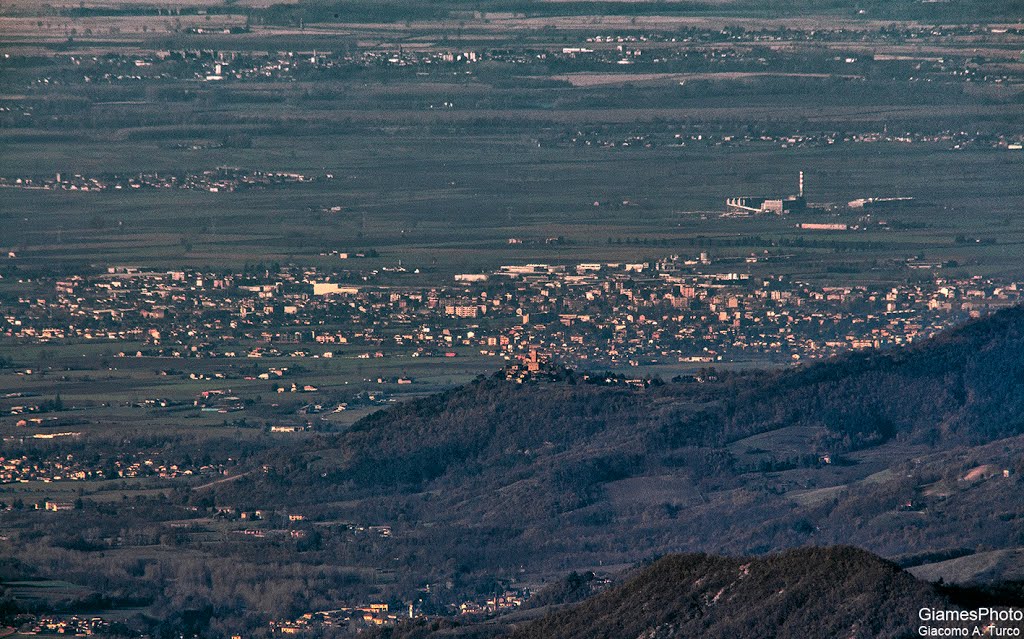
<point x="382" y="614"/>
<point x="369" y="615"/>
<point x="669" y="311"/>
<point x="649" y="136"/>
<point x="67" y="626"/>
<point x="508" y="600"/>
<point x="729" y="49"/>
<point x="225" y="179"/>
<point x="61" y="467"/>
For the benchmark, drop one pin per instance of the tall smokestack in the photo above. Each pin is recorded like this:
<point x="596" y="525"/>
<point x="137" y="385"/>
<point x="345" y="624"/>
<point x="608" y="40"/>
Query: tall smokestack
<point x="801" y="183"/>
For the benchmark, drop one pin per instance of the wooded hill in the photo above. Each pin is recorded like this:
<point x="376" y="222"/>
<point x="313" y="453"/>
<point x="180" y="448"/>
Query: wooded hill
<point x="915" y="454"/>
<point x="870" y="449"/>
<point x="809" y="592"/>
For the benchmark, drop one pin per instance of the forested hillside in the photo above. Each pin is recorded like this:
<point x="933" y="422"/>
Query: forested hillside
<point x="810" y="592"/>
<point x="830" y="592"/>
<point x="914" y="454"/>
<point x="962" y="387"/>
<point x="575" y="469"/>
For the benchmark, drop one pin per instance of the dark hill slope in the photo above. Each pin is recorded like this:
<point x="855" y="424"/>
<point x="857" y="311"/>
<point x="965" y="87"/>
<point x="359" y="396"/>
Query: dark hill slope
<point x="967" y="384"/>
<point x="565" y="473"/>
<point x="810" y="592"/>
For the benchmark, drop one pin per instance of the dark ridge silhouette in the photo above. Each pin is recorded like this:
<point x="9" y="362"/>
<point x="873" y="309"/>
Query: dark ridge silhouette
<point x="837" y="591"/>
<point x="809" y="592"/>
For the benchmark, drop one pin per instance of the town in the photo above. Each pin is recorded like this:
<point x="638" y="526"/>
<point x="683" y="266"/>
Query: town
<point x="222" y="179"/>
<point x="673" y="310"/>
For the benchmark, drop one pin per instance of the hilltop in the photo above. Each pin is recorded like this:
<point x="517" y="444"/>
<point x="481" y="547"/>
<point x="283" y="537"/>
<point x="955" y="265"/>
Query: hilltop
<point x="818" y="592"/>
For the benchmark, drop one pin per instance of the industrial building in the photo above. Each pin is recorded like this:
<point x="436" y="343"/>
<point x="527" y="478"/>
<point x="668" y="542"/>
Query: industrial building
<point x="880" y="202"/>
<point x="778" y="206"/>
<point x="823" y="226"/>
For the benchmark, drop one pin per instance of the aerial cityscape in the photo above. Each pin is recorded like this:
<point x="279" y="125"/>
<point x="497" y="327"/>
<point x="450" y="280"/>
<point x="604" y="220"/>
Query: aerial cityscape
<point x="511" y="319"/>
